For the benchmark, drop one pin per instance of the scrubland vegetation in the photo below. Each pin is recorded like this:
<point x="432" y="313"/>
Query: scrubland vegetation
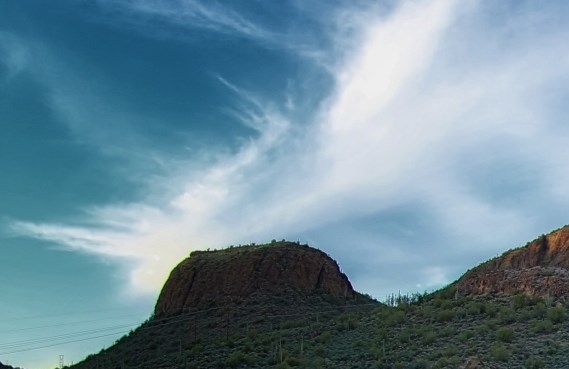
<point x="441" y="330"/>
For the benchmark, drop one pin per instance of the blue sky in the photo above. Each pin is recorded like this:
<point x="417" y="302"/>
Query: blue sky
<point x="410" y="140"/>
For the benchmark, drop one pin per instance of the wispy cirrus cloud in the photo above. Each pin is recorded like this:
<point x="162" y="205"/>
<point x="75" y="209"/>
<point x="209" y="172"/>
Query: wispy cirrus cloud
<point x="438" y="110"/>
<point x="190" y="14"/>
<point x="323" y="34"/>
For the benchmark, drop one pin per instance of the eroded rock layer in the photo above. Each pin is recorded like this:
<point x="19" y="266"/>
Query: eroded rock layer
<point x="234" y="274"/>
<point x="540" y="268"/>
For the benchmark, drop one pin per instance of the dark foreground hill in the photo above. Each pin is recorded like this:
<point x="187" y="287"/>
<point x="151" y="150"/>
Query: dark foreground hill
<point x="2" y="366"/>
<point x="240" y="321"/>
<point x="220" y="296"/>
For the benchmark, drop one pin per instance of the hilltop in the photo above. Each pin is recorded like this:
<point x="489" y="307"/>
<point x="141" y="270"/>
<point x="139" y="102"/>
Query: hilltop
<point x="243" y="274"/>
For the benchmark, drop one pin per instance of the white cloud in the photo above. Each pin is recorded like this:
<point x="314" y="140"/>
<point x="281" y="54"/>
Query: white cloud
<point x="415" y="117"/>
<point x="190" y="14"/>
<point x="13" y="54"/>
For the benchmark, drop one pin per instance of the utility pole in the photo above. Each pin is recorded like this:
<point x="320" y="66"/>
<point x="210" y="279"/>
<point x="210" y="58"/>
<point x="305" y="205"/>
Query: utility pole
<point x="60" y="361"/>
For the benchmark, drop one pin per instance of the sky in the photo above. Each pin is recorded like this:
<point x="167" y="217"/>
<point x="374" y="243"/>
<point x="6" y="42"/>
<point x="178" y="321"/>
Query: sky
<point x="410" y="140"/>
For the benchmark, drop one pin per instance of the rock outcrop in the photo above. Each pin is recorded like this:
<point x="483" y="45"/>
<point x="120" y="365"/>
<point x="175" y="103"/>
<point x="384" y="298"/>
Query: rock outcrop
<point x="540" y="268"/>
<point x="236" y="274"/>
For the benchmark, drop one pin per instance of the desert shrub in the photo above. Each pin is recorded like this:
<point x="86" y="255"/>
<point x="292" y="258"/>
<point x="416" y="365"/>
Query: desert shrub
<point x="325" y="337"/>
<point x="540" y="310"/>
<point x="520" y="301"/>
<point x="499" y="352"/>
<point x="419" y="364"/>
<point x="446" y="362"/>
<point x="429" y="338"/>
<point x="556" y="314"/>
<point x="553" y="347"/>
<point x="293" y="361"/>
<point x="283" y="365"/>
<point x="450" y="351"/>
<point x="237" y="359"/>
<point x="465" y="335"/>
<point x="376" y="352"/>
<point x="524" y="315"/>
<point x="490" y="309"/>
<point x="428" y="312"/>
<point x="248" y="346"/>
<point x="534" y="363"/>
<point x="454" y="361"/>
<point x="320" y="351"/>
<point x="443" y="362"/>
<point x="475" y="308"/>
<point x="491" y="324"/>
<point x="448" y="293"/>
<point x="445" y="315"/>
<point x="534" y="300"/>
<point x="252" y="334"/>
<point x="346" y="321"/>
<point x="483" y="329"/>
<point x="447" y="304"/>
<point x="288" y="324"/>
<point x="460" y="313"/>
<point x="397" y="317"/>
<point x="405" y="336"/>
<point x="507" y="315"/>
<point x="505" y="334"/>
<point x="543" y="326"/>
<point x="448" y="331"/>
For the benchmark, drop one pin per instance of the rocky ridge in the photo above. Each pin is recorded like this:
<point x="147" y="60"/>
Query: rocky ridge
<point x="541" y="268"/>
<point x="237" y="274"/>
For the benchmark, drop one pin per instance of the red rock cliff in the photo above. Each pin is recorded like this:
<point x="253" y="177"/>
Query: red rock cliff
<point x="539" y="268"/>
<point x="237" y="273"/>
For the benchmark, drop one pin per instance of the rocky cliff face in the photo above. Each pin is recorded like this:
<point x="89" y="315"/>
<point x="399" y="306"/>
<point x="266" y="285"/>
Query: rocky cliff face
<point x="236" y="274"/>
<point x="540" y="268"/>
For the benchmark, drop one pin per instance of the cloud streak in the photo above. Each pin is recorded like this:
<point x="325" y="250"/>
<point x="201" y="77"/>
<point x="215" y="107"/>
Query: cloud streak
<point x="415" y="119"/>
<point x="13" y="54"/>
<point x="188" y="14"/>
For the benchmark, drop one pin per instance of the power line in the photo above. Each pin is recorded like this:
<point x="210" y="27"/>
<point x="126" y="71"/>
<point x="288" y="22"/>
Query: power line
<point x="64" y="336"/>
<point x="66" y="314"/>
<point x="153" y="324"/>
<point x="62" y="343"/>
<point x="63" y="324"/>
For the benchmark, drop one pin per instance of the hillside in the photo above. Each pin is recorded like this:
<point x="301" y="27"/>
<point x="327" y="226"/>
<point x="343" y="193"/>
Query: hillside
<point x="440" y="331"/>
<point x="215" y="296"/>
<point x="268" y="307"/>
